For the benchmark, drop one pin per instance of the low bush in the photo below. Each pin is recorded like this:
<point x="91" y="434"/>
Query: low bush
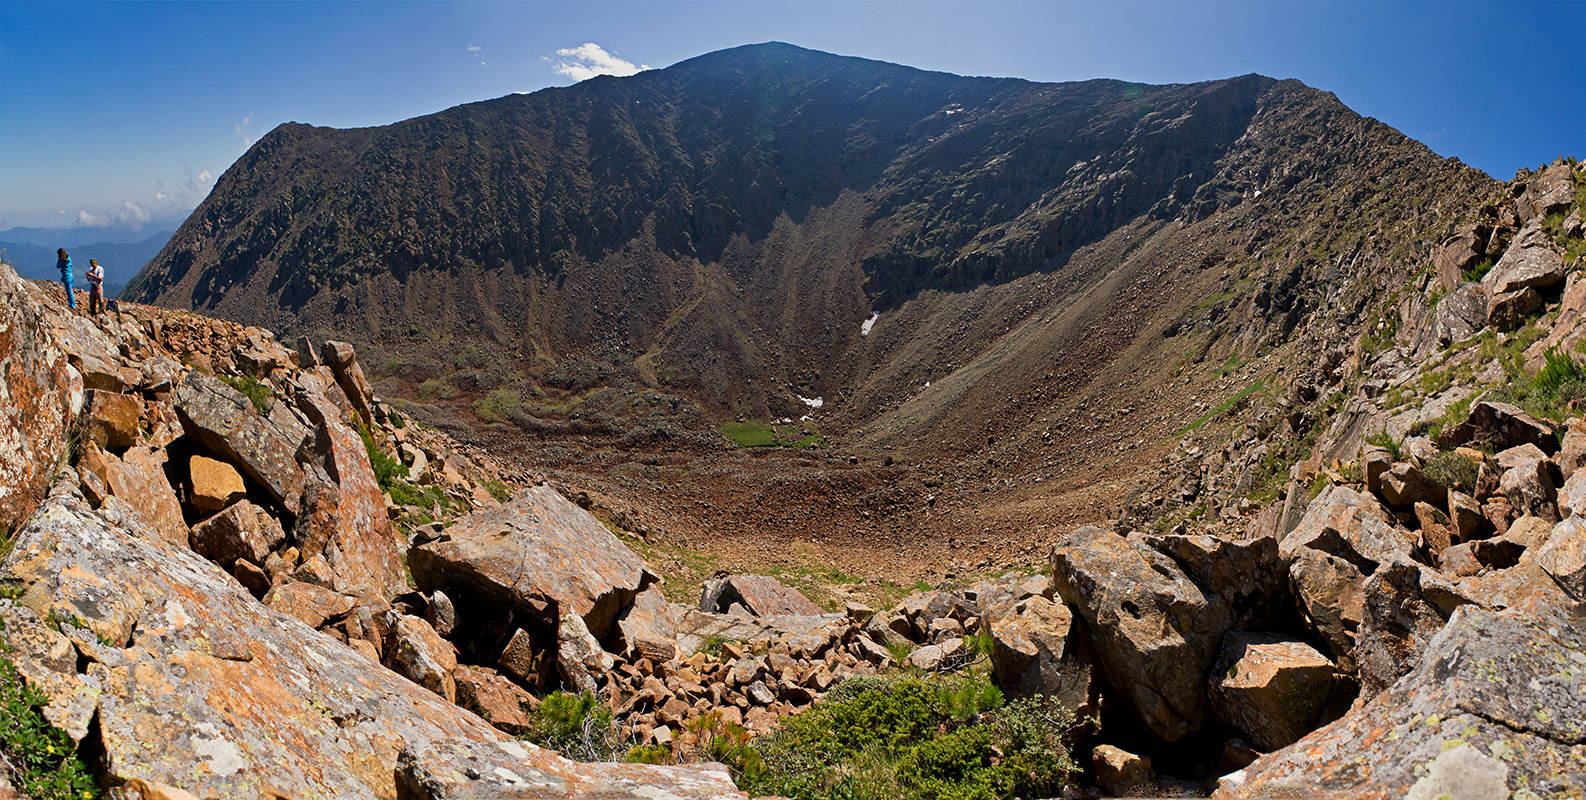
<point x="1452" y="470"/>
<point x="918" y="739"/>
<point x="578" y="726"/>
<point x="44" y="763"/>
<point x="251" y="388"/>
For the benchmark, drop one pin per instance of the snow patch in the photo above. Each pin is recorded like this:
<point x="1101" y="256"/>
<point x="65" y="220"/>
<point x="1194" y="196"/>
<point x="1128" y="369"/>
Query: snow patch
<point x="864" y="327"/>
<point x="813" y="402"/>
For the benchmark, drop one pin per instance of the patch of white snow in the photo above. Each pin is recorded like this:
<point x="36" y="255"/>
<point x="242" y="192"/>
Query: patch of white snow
<point x="864" y="327"/>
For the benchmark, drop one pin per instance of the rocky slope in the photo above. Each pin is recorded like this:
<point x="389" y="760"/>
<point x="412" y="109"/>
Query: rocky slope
<point x="596" y="277"/>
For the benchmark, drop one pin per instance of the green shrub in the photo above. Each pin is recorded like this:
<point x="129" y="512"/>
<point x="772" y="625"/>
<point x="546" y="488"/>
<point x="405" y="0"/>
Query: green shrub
<point x="578" y="726"/>
<point x="387" y="469"/>
<point x="500" y="491"/>
<point x="44" y="763"/>
<point x="1478" y="270"/>
<point x="251" y="388"/>
<point x="920" y="739"/>
<point x="1452" y="470"/>
<point x="727" y="743"/>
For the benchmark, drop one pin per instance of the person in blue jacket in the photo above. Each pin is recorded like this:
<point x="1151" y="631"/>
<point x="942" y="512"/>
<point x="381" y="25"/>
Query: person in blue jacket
<point x="63" y="263"/>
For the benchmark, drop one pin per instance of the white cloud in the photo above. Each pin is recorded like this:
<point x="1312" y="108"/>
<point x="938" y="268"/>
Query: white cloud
<point x="243" y="131"/>
<point x="161" y="196"/>
<point x="478" y="52"/>
<point x="588" y="60"/>
<point x="129" y="213"/>
<point x="205" y="177"/>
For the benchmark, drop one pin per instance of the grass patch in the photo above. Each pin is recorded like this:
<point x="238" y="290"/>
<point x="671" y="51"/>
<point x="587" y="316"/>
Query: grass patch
<point x="918" y="739"/>
<point x="44" y="763"/>
<point x="1555" y="388"/>
<point x="1394" y="447"/>
<point x="1255" y="386"/>
<point x="251" y="388"/>
<point x="1452" y="470"/>
<point x="1478" y="270"/>
<point x="761" y="434"/>
<point x="497" y="406"/>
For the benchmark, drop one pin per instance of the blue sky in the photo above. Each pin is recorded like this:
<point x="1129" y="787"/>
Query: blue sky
<point x="128" y="110"/>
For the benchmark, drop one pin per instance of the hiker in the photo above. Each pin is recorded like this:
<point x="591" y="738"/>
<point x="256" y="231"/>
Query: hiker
<point x="96" y="287"/>
<point x="63" y="263"/>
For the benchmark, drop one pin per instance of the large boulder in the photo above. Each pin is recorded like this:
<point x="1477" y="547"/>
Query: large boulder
<point x="1499" y="426"/>
<point x="648" y="629"/>
<point x="1563" y="557"/>
<point x="213" y="484"/>
<point x="1270" y="687"/>
<point x="1249" y="575"/>
<point x="357" y="539"/>
<point x="538" y="554"/>
<point x="1460" y="315"/>
<point x="1156" y="632"/>
<point x="226" y="424"/>
<point x="419" y="654"/>
<point x="139" y="478"/>
<point x="1494" y="707"/>
<point x="243" y="531"/>
<point x="759" y="595"/>
<point x="343" y="362"/>
<point x="1530" y="262"/>
<point x="1341" y="539"/>
<point x="1034" y="651"/>
<point x="219" y="696"/>
<point x="1405" y="605"/>
<point x="1405" y="485"/>
<point x="40" y="393"/>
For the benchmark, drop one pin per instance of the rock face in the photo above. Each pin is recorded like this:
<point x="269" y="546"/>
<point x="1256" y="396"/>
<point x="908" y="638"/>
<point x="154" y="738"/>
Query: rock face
<point x="1454" y="726"/>
<point x="1033" y="652"/>
<point x="759" y="595"/>
<point x="245" y="701"/>
<point x="512" y="771"/>
<point x="39" y="393"/>
<point x="1155" y="631"/>
<point x="1500" y="426"/>
<point x="1405" y="604"/>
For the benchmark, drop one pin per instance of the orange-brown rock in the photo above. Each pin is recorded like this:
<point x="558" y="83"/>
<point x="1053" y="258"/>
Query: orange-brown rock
<point x="215" y="484"/>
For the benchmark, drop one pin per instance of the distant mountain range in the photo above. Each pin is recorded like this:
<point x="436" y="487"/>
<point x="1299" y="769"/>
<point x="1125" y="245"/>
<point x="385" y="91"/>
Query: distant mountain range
<point x="121" y="260"/>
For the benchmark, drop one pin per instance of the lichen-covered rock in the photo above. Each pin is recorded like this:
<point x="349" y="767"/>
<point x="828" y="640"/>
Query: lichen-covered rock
<point x="1495" y="705"/>
<point x="113" y="420"/>
<point x="539" y="554"/>
<point x="40" y="392"/>
<point x="1563" y="556"/>
<point x="760" y="595"/>
<point x="419" y="654"/>
<point x="648" y="629"/>
<point x="1156" y="632"/>
<point x="1405" y="605"/>
<point x="1499" y="426"/>
<point x="219" y="696"/>
<point x="138" y="477"/>
<point x="515" y="771"/>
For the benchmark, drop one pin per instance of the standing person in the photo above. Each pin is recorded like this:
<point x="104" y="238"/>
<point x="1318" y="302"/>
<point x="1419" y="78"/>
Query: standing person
<point x="63" y="263"/>
<point x="96" y="287"/>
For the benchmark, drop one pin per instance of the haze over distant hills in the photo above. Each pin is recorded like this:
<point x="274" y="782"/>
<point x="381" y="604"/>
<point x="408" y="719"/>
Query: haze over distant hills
<point x="32" y="252"/>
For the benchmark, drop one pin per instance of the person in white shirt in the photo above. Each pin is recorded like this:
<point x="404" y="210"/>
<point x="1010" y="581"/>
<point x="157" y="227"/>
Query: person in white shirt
<point x="96" y="287"/>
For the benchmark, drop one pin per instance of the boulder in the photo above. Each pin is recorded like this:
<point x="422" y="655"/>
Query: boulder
<point x="1572" y="450"/>
<point x="242" y="531"/>
<point x="1340" y="540"/>
<point x="1122" y="773"/>
<point x="315" y="606"/>
<point x="1405" y="605"/>
<point x="1465" y="516"/>
<point x="215" y="484"/>
<point x="648" y="629"/>
<point x="1457" y="254"/>
<point x="1492" y="708"/>
<point x="1510" y="310"/>
<point x="1529" y="482"/>
<point x="1405" y="485"/>
<point x="40" y="393"/>
<point x="243" y="700"/>
<point x="1563" y="557"/>
<point x="356" y="537"/>
<point x="138" y="477"/>
<point x="1460" y="315"/>
<point x="497" y="700"/>
<point x="760" y="595"/>
<point x="946" y="654"/>
<point x="807" y="633"/>
<point x="1531" y="262"/>
<point x="1249" y="576"/>
<point x="1552" y="189"/>
<point x="416" y="652"/>
<point x="1270" y="687"/>
<point x="343" y="362"/>
<point x="580" y="660"/>
<point x="114" y="420"/>
<point x="522" y="659"/>
<point x="1499" y="426"/>
<point x="1035" y="652"/>
<point x="225" y="423"/>
<point x="1155" y="631"/>
<point x="1571" y="497"/>
<point x="538" y="554"/>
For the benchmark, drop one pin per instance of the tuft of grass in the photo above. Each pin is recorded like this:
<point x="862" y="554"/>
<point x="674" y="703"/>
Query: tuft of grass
<point x="1552" y="392"/>
<point x="1478" y="270"/>
<point x="1255" y="386"/>
<point x="578" y="726"/>
<point x="1394" y="447"/>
